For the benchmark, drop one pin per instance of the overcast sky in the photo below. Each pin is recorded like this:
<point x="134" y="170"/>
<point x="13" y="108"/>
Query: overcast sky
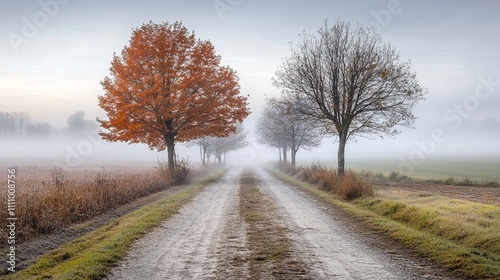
<point x="54" y="53"/>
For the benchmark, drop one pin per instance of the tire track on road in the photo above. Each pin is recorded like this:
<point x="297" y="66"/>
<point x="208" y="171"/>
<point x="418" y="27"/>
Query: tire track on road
<point x="329" y="245"/>
<point x="192" y="244"/>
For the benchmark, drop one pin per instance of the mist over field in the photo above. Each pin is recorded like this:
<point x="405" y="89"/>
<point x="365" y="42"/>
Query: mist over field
<point x="236" y="139"/>
<point x="56" y="53"/>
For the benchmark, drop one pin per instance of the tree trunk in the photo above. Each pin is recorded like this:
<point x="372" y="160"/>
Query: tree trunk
<point x="341" y="154"/>
<point x="285" y="156"/>
<point x="293" y="152"/>
<point x="219" y="158"/>
<point x="202" y="154"/>
<point x="279" y="151"/>
<point x="170" y="152"/>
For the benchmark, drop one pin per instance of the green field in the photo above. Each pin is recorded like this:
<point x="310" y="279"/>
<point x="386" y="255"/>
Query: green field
<point x="476" y="168"/>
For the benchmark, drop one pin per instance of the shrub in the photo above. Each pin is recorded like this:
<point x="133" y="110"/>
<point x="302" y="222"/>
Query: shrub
<point x="490" y="184"/>
<point x="449" y="181"/>
<point x="467" y="182"/>
<point x="181" y="171"/>
<point x="348" y="187"/>
<point x="396" y="176"/>
<point x="351" y="187"/>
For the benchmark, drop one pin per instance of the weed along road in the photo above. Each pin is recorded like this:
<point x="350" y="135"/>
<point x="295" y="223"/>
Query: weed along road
<point x="250" y="225"/>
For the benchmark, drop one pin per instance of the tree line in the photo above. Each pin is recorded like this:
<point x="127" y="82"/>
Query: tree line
<point x="218" y="147"/>
<point x="342" y="81"/>
<point x="20" y="125"/>
<point x="168" y="87"/>
<point x="15" y="124"/>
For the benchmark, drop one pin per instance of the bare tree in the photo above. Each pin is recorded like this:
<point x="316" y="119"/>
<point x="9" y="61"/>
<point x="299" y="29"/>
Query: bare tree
<point x="282" y="126"/>
<point x="23" y="120"/>
<point x="204" y="145"/>
<point x="351" y="81"/>
<point x="7" y="124"/>
<point x="220" y="146"/>
<point x="271" y="130"/>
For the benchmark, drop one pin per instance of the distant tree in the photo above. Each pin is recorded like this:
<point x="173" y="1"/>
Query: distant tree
<point x="77" y="124"/>
<point x="234" y="141"/>
<point x="204" y="144"/>
<point x="220" y="146"/>
<point x="7" y="124"/>
<point x="23" y="120"/>
<point x="301" y="132"/>
<point x="350" y="81"/>
<point x="281" y="125"/>
<point x="168" y="87"/>
<point x="40" y="130"/>
<point x="271" y="130"/>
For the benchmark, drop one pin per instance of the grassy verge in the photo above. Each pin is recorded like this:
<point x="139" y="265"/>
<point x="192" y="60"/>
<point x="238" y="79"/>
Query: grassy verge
<point x="93" y="255"/>
<point x="460" y="235"/>
<point x="270" y="249"/>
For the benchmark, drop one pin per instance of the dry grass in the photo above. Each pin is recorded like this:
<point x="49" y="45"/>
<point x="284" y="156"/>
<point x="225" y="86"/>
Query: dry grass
<point x="473" y="228"/>
<point x="348" y="187"/>
<point x="461" y="235"/>
<point x="48" y="199"/>
<point x="271" y="250"/>
<point x="93" y="255"/>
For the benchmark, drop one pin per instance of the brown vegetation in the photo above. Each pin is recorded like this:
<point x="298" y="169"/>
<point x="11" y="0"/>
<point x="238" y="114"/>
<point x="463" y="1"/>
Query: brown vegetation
<point x="50" y="199"/>
<point x="348" y="187"/>
<point x="271" y="250"/>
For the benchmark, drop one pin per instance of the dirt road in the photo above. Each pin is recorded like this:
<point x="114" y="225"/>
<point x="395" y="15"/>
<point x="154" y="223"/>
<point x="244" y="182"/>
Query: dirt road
<point x="209" y="239"/>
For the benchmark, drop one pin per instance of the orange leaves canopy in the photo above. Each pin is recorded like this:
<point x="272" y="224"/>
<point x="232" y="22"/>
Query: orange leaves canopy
<point x="166" y="85"/>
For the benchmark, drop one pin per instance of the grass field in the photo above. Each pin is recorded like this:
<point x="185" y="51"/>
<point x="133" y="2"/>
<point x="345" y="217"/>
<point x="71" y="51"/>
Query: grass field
<point x="459" y="234"/>
<point x="476" y="168"/>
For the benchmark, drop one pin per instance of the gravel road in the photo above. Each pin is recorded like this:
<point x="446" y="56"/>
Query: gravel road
<point x="208" y="235"/>
<point x="327" y="240"/>
<point x="186" y="246"/>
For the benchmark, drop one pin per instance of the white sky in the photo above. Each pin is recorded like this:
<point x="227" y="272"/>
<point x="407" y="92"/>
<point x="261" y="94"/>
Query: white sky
<point x="54" y="53"/>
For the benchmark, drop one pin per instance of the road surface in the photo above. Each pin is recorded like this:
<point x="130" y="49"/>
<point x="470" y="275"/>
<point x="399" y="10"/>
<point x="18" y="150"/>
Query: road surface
<point x="204" y="239"/>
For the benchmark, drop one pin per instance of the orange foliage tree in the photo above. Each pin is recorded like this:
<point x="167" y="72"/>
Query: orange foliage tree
<point x="168" y="87"/>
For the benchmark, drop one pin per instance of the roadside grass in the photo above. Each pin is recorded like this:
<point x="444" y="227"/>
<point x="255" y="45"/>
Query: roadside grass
<point x="460" y="235"/>
<point x="348" y="187"/>
<point x="48" y="199"/>
<point x="93" y="255"/>
<point x="271" y="253"/>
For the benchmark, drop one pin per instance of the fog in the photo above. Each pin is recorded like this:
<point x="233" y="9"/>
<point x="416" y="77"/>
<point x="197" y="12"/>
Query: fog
<point x="55" y="53"/>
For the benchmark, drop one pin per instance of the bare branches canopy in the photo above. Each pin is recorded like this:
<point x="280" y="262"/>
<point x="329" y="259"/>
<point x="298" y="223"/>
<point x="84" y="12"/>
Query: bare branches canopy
<point x="280" y="126"/>
<point x="351" y="81"/>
